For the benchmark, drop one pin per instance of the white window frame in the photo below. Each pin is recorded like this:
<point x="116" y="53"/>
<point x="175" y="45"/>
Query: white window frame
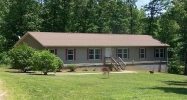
<point x="123" y="52"/>
<point x="52" y="50"/>
<point x="142" y="53"/>
<point x="159" y="52"/>
<point x="94" y="58"/>
<point x="70" y="54"/>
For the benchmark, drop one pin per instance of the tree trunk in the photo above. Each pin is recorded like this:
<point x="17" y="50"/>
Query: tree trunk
<point x="45" y="72"/>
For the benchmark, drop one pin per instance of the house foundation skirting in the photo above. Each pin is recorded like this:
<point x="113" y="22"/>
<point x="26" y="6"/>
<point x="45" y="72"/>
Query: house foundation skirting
<point x="156" y="66"/>
<point x="148" y="67"/>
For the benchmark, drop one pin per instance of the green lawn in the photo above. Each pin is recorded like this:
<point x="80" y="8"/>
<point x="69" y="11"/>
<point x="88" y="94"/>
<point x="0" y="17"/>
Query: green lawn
<point x="140" y="86"/>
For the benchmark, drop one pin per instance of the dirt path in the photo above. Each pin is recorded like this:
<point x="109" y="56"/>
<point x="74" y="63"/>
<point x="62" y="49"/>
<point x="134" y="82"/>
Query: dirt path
<point x="2" y="93"/>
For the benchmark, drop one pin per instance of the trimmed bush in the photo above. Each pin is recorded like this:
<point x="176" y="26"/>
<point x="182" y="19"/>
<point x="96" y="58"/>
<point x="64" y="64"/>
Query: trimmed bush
<point x="85" y="69"/>
<point x="45" y="61"/>
<point x="94" y="69"/>
<point x="72" y="67"/>
<point x="19" y="57"/>
<point x="60" y="64"/>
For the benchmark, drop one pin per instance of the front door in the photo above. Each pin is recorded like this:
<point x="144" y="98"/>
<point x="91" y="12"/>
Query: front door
<point x="108" y="52"/>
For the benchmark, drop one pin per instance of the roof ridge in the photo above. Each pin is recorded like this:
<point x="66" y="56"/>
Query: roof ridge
<point x="90" y="33"/>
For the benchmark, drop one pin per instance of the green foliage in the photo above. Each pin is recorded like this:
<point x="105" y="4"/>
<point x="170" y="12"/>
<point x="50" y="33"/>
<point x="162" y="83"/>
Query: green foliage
<point x="18" y="18"/>
<point x="94" y="69"/>
<point x="60" y="64"/>
<point x="175" y="67"/>
<point x="72" y="67"/>
<point x="2" y="42"/>
<point x="20" y="57"/>
<point x="85" y="69"/>
<point x="4" y="58"/>
<point x="45" y="61"/>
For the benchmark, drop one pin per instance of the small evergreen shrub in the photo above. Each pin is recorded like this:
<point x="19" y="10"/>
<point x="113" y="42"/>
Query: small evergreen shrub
<point x="72" y="67"/>
<point x="60" y="64"/>
<point x="85" y="69"/>
<point x="94" y="69"/>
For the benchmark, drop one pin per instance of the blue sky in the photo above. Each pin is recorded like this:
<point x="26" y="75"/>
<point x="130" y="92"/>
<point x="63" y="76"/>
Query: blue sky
<point x="141" y="3"/>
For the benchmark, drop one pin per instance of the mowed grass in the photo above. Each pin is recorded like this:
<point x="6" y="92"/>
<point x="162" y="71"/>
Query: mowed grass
<point x="140" y="86"/>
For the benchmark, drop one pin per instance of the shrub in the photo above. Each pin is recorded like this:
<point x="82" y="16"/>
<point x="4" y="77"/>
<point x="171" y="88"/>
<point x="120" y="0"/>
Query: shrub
<point x="174" y="65"/>
<point x="85" y="69"/>
<point x="45" y="61"/>
<point x="19" y="57"/>
<point x="94" y="69"/>
<point x="4" y="58"/>
<point x="60" y="64"/>
<point x="72" y="67"/>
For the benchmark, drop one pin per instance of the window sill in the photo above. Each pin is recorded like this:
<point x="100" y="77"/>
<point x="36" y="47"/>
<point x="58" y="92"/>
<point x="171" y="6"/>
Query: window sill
<point x="94" y="59"/>
<point x="70" y="60"/>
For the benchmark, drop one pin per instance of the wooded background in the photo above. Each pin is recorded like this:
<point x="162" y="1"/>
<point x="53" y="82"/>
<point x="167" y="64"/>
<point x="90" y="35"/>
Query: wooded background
<point x="165" y="20"/>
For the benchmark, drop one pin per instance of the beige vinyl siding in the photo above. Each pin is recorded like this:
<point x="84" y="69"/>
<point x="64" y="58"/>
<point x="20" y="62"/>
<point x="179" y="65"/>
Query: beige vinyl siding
<point x="81" y="55"/>
<point x="134" y="54"/>
<point x="30" y="41"/>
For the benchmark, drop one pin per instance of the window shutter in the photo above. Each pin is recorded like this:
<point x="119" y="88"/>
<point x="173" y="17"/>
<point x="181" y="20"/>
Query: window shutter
<point x="55" y="51"/>
<point x="145" y="52"/>
<point x="66" y="54"/>
<point x="87" y="54"/>
<point x="116" y="52"/>
<point x="74" y="54"/>
<point x="101" y="53"/>
<point x="164" y="52"/>
<point x="139" y="52"/>
<point x="154" y="52"/>
<point x="128" y="52"/>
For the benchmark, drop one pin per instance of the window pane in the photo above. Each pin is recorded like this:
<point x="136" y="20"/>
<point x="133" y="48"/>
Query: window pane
<point x="161" y="54"/>
<point x="70" y="57"/>
<point x="142" y="50"/>
<point x="97" y="51"/>
<point x="91" y="56"/>
<point x="125" y="56"/>
<point x="91" y="51"/>
<point x="119" y="50"/>
<point x="142" y="56"/>
<point x="120" y="55"/>
<point x="157" y="50"/>
<point x="124" y="50"/>
<point x="97" y="56"/>
<point x="52" y="51"/>
<point x="161" y="50"/>
<point x="70" y="51"/>
<point x="157" y="54"/>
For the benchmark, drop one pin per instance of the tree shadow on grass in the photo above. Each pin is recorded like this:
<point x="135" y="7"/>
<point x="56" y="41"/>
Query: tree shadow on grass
<point x="178" y="87"/>
<point x="178" y="83"/>
<point x="30" y="73"/>
<point x="41" y="74"/>
<point x="176" y="90"/>
<point x="19" y="72"/>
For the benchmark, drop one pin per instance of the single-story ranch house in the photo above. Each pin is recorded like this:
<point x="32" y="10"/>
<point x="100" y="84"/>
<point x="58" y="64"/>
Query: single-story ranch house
<point x="92" y="48"/>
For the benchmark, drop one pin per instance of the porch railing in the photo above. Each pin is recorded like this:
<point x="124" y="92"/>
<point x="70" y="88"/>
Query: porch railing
<point x="116" y="62"/>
